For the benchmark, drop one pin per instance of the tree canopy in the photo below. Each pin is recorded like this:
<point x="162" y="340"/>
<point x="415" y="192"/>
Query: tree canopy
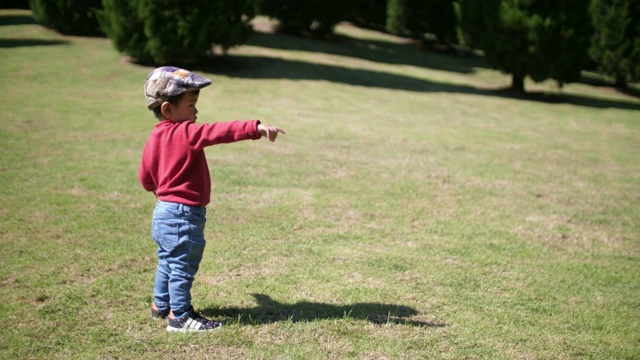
<point x="542" y="39"/>
<point x="140" y="28"/>
<point x="616" y="40"/>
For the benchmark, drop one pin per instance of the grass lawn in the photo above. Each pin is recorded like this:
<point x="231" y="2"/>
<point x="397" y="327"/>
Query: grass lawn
<point x="413" y="210"/>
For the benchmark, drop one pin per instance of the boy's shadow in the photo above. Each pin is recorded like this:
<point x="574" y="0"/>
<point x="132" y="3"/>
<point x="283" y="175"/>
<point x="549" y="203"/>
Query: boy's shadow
<point x="270" y="311"/>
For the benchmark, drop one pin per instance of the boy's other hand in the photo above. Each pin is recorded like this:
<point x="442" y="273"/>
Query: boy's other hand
<point x="270" y="131"/>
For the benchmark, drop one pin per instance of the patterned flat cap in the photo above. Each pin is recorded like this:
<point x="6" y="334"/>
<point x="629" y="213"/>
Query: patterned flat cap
<point x="168" y="81"/>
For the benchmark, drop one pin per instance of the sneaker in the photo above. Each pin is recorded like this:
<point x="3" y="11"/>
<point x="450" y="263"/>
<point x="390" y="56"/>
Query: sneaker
<point x="157" y="313"/>
<point x="190" y="322"/>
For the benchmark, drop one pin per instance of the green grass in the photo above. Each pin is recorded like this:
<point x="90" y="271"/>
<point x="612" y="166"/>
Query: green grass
<point x="413" y="210"/>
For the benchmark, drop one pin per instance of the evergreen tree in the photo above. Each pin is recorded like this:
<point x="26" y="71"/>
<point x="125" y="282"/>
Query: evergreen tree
<point x="122" y="24"/>
<point x="67" y="16"/>
<point x="397" y="17"/>
<point x="418" y="17"/>
<point x="615" y="44"/>
<point x="370" y="13"/>
<point x="542" y="39"/>
<point x="172" y="30"/>
<point x="312" y="17"/>
<point x="440" y="19"/>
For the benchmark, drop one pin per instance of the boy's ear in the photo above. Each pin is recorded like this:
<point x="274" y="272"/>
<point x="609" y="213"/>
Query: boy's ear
<point x="165" y="108"/>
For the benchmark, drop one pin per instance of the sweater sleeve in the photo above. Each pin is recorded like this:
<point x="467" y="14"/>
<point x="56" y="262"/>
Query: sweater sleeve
<point x="203" y="135"/>
<point x="144" y="175"/>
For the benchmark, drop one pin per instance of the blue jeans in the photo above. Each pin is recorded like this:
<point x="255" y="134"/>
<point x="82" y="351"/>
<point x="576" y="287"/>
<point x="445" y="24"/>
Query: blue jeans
<point x="178" y="230"/>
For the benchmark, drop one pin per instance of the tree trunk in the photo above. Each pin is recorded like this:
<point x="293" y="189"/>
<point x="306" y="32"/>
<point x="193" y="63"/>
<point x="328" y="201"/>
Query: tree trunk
<point x="517" y="83"/>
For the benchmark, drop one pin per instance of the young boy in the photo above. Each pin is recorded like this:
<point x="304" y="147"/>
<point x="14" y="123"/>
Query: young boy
<point x="175" y="169"/>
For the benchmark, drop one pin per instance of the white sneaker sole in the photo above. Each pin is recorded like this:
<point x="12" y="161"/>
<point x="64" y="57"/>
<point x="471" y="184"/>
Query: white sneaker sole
<point x="172" y="329"/>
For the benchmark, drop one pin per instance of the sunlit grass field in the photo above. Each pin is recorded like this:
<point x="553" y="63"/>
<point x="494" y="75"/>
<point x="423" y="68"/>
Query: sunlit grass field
<point x="413" y="210"/>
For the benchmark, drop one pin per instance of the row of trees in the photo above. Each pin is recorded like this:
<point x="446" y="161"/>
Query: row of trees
<point x="170" y="30"/>
<point x="542" y="39"/>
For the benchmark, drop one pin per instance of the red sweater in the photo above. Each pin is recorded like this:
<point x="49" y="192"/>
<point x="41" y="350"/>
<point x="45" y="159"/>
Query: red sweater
<point x="173" y="160"/>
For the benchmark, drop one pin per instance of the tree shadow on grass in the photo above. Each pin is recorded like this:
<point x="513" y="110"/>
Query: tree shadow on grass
<point x="270" y="311"/>
<point x="19" y="19"/>
<point x="13" y="43"/>
<point x="409" y="53"/>
<point x="16" y="19"/>
<point x="606" y="83"/>
<point x="261" y="67"/>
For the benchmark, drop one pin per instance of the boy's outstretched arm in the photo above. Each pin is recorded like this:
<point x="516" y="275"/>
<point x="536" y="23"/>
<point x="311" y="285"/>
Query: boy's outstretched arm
<point x="270" y="131"/>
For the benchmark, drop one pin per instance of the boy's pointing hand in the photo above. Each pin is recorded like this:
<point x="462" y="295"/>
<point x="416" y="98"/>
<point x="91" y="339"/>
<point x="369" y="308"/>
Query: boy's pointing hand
<point x="270" y="131"/>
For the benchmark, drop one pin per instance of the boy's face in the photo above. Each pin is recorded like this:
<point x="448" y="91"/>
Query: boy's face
<point x="185" y="110"/>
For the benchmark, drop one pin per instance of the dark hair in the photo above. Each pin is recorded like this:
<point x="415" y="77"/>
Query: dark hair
<point x="174" y="100"/>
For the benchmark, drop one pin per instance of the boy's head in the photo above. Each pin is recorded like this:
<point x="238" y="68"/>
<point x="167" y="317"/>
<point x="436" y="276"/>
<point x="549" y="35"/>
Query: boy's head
<point x="172" y="92"/>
